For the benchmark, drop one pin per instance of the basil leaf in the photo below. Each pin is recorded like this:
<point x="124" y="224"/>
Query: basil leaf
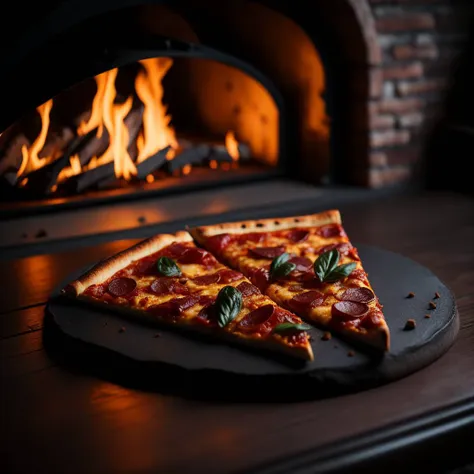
<point x="167" y="267"/>
<point x="285" y="326"/>
<point x="281" y="266"/>
<point x="284" y="269"/>
<point x="284" y="257"/>
<point x="228" y="305"/>
<point x="340" y="272"/>
<point x="326" y="263"/>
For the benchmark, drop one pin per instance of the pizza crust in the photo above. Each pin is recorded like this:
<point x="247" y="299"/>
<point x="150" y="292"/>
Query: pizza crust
<point x="377" y="338"/>
<point x="332" y="216"/>
<point x="108" y="267"/>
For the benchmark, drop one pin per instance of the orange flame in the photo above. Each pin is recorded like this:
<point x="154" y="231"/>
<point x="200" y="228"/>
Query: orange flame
<point x="106" y="114"/>
<point x="157" y="132"/>
<point x="95" y="120"/>
<point x="30" y="159"/>
<point x="232" y="145"/>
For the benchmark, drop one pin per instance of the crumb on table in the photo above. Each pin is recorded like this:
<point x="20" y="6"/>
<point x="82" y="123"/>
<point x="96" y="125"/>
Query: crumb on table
<point x="326" y="336"/>
<point x="410" y="324"/>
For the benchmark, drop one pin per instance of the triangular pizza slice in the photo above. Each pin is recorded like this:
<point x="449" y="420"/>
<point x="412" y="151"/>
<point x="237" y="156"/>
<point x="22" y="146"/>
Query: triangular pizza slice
<point x="307" y="265"/>
<point x="167" y="280"/>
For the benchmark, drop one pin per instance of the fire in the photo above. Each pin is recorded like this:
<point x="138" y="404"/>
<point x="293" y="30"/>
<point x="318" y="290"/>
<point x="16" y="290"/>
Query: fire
<point x="232" y="145"/>
<point x="30" y="159"/>
<point x="157" y="133"/>
<point x="109" y="116"/>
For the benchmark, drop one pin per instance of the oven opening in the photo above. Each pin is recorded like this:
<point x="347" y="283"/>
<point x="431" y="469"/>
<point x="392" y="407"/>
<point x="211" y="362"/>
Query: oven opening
<point x="157" y="125"/>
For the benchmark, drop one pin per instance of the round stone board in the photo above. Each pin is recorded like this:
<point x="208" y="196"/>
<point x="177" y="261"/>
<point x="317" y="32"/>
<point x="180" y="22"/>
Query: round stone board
<point x="196" y="366"/>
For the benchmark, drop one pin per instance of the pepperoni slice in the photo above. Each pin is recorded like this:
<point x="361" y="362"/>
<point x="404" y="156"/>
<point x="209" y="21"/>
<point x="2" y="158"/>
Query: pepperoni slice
<point x="207" y="314"/>
<point x="267" y="252"/>
<point x="260" y="278"/>
<point x="167" y="310"/>
<point x="349" y="310"/>
<point x="175" y="249"/>
<point x="247" y="289"/>
<point x="343" y="248"/>
<point x="121" y="286"/>
<point x="228" y="276"/>
<point x="195" y="255"/>
<point x="358" y="274"/>
<point x="174" y="307"/>
<point x="255" y="237"/>
<point x="253" y="321"/>
<point x="331" y="230"/>
<point x="372" y="320"/>
<point x="165" y="286"/>
<point x="144" y="267"/>
<point x="359" y="295"/>
<point x="206" y="299"/>
<point x="187" y="301"/>
<point x="298" y="235"/>
<point x="207" y="279"/>
<point x="303" y="264"/>
<point x="305" y="301"/>
<point x="219" y="242"/>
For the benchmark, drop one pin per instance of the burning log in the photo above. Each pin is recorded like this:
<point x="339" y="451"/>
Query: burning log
<point x="195" y="155"/>
<point x="152" y="163"/>
<point x="219" y="154"/>
<point x="56" y="143"/>
<point x="87" y="179"/>
<point x="42" y="180"/>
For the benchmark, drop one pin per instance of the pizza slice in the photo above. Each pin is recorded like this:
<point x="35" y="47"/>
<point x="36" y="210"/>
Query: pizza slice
<point x="307" y="265"/>
<point x="167" y="280"/>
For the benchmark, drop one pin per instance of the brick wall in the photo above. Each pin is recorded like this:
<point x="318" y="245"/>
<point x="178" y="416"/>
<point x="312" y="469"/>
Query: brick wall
<point x="420" y="43"/>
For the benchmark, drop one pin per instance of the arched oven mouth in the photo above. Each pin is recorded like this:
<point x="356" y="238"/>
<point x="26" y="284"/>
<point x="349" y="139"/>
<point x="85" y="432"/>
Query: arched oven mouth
<point x="85" y="161"/>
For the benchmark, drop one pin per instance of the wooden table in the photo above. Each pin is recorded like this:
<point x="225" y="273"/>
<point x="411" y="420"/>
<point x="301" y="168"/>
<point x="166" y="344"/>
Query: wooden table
<point x="58" y="419"/>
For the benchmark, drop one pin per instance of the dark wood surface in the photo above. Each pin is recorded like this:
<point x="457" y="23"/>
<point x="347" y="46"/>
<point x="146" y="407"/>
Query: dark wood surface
<point x="56" y="418"/>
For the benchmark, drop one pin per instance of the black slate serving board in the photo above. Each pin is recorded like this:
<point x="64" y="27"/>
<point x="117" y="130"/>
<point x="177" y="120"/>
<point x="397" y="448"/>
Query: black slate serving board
<point x="199" y="367"/>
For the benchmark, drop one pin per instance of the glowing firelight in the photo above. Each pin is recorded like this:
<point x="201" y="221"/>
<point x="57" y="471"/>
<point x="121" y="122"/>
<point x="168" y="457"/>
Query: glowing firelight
<point x="30" y="159"/>
<point x="109" y="116"/>
<point x="232" y="145"/>
<point x="157" y="132"/>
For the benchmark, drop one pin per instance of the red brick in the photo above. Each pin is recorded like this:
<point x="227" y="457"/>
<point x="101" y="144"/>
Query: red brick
<point x="375" y="83"/>
<point x="425" y="86"/>
<point x="397" y="106"/>
<point x="414" y="119"/>
<point x="378" y="158"/>
<point x="409" y="51"/>
<point x="403" y="71"/>
<point x="405" y="22"/>
<point x="380" y="122"/>
<point x="389" y="138"/>
<point x="380" y="177"/>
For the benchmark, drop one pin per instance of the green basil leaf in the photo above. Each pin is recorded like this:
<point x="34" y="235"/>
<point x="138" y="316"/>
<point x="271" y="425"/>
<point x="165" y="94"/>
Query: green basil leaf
<point x="280" y="266"/>
<point x="283" y="270"/>
<point x="286" y="326"/>
<point x="167" y="267"/>
<point x="228" y="305"/>
<point x="281" y="259"/>
<point x="326" y="263"/>
<point x="340" y="272"/>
